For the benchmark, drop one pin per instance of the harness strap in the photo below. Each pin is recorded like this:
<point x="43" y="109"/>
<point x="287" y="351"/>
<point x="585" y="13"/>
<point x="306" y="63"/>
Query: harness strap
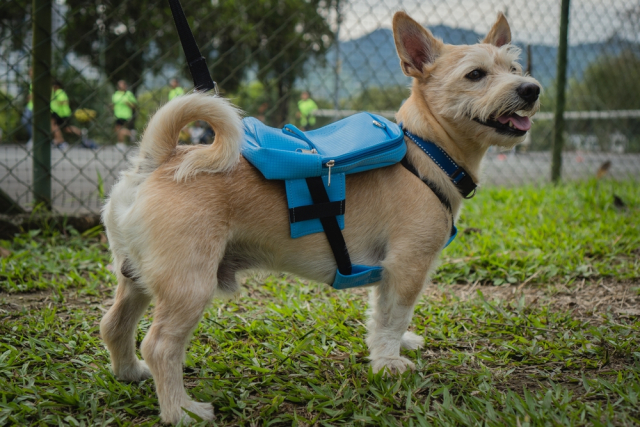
<point x="330" y="225"/>
<point x="202" y="80"/>
<point x="458" y="175"/>
<point x="443" y="199"/>
<point x="316" y="211"/>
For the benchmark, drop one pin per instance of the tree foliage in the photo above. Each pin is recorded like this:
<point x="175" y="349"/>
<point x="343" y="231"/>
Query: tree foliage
<point x="15" y="23"/>
<point x="608" y="84"/>
<point x="611" y="83"/>
<point x="126" y="39"/>
<point x="271" y="39"/>
<point x="381" y="98"/>
<point x="241" y="39"/>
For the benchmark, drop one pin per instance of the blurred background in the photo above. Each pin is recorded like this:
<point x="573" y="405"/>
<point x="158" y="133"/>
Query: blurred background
<point x="264" y="54"/>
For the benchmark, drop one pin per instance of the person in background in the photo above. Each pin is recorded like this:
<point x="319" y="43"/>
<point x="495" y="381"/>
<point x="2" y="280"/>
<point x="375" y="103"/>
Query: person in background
<point x="201" y="133"/>
<point x="262" y="112"/>
<point x="61" y="116"/>
<point x="306" y="107"/>
<point x="27" y="114"/>
<point x="176" y="89"/>
<point x="124" y="102"/>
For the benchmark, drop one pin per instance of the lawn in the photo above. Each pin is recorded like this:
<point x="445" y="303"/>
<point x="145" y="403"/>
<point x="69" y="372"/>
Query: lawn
<point x="533" y="319"/>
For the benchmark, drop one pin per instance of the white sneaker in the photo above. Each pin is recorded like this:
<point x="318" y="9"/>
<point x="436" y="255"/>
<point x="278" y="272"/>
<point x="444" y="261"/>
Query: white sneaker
<point x="63" y="146"/>
<point x="121" y="146"/>
<point x="29" y="145"/>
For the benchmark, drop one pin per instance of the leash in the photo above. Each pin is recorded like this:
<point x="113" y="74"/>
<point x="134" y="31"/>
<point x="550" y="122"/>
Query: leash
<point x="202" y="80"/>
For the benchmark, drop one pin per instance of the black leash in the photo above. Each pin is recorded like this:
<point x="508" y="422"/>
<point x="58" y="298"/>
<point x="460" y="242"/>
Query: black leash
<point x="202" y="80"/>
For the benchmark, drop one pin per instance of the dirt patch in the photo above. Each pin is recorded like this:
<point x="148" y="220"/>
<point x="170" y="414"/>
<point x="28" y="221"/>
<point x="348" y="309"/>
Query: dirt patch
<point x="10" y="303"/>
<point x="585" y="299"/>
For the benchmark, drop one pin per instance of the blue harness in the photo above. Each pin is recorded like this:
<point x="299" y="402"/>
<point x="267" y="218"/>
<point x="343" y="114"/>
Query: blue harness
<point x="314" y="164"/>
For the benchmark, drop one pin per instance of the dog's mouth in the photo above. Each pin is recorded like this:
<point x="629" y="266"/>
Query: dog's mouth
<point x="512" y="124"/>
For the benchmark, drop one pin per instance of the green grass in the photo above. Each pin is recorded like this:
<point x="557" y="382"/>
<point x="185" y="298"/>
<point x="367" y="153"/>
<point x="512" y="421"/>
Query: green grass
<point x="556" y="350"/>
<point x="557" y="233"/>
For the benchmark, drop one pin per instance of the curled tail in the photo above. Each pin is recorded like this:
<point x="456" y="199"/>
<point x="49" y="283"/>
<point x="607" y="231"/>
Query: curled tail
<point x="161" y="136"/>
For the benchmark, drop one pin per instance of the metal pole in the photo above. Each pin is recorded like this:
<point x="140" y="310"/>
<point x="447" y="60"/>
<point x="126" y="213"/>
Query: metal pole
<point x="41" y="102"/>
<point x="336" y="89"/>
<point x="561" y="75"/>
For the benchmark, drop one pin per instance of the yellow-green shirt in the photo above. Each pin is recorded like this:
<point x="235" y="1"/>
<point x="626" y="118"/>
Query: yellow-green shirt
<point x="176" y="91"/>
<point x="307" y="107"/>
<point x="121" y="104"/>
<point x="60" y="103"/>
<point x="30" y="103"/>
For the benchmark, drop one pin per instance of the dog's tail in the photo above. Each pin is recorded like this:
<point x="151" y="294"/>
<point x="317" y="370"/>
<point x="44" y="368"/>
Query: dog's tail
<point x="161" y="136"/>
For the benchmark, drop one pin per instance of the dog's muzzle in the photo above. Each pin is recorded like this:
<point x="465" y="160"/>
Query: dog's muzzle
<point x="509" y="124"/>
<point x="514" y="124"/>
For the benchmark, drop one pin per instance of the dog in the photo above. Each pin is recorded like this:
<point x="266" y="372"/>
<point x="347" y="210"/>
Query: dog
<point x="184" y="220"/>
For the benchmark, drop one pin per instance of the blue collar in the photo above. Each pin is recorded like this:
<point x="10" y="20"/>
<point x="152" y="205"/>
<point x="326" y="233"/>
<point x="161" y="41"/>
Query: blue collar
<point x="460" y="177"/>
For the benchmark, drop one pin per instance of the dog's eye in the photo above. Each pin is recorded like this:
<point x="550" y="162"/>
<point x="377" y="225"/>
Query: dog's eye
<point x="476" y="75"/>
<point x="514" y="70"/>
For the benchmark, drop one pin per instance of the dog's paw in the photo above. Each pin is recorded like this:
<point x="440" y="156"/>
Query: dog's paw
<point x="134" y="373"/>
<point x="393" y="365"/>
<point x="411" y="341"/>
<point x="202" y="409"/>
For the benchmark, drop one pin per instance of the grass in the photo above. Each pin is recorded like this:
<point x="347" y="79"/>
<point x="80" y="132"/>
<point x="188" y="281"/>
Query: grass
<point x="556" y="343"/>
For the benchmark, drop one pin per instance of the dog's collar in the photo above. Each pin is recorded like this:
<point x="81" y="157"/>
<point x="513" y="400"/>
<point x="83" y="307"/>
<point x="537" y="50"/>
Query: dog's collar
<point x="457" y="174"/>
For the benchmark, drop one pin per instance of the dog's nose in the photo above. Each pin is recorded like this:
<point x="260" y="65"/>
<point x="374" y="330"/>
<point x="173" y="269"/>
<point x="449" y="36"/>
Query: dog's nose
<point x="529" y="92"/>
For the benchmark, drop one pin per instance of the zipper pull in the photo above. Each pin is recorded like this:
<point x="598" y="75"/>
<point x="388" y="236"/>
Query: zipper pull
<point x="330" y="164"/>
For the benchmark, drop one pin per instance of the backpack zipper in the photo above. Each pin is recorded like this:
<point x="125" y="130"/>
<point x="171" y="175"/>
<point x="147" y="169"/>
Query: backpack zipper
<point x="330" y="164"/>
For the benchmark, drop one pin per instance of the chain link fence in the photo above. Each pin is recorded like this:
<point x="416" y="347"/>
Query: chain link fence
<point x="264" y="54"/>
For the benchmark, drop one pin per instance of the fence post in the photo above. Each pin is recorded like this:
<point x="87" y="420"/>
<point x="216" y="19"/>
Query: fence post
<point x="336" y="88"/>
<point x="561" y="76"/>
<point x="41" y="95"/>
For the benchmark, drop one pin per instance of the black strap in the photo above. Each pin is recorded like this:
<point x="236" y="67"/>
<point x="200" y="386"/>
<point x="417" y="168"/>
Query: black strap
<point x="459" y="177"/>
<point x="316" y="211"/>
<point x="465" y="186"/>
<point x="202" y="80"/>
<point x="443" y="199"/>
<point x="330" y="225"/>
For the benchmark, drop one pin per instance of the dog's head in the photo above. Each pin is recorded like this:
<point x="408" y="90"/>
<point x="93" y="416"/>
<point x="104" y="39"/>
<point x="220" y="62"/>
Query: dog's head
<point x="479" y="90"/>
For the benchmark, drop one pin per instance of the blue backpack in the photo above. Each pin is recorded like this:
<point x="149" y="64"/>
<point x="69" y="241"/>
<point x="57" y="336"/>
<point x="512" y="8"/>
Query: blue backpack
<point x="314" y="164"/>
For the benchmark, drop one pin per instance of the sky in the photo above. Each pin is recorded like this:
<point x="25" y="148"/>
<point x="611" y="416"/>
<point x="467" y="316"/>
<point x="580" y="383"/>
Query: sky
<point x="531" y="21"/>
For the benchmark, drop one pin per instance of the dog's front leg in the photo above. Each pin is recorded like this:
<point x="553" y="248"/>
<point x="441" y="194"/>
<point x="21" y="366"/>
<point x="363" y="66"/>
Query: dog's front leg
<point x="392" y="303"/>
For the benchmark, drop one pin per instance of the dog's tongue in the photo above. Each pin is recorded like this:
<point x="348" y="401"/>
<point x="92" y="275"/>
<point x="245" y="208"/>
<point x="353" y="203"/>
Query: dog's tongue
<point x="519" y="122"/>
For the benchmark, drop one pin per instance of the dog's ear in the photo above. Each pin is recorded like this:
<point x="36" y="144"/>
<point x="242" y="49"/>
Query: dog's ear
<point x="500" y="33"/>
<point x="416" y="46"/>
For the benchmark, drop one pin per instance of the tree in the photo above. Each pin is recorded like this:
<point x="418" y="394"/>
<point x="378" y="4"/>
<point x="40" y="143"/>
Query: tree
<point x="610" y="83"/>
<point x="267" y="40"/>
<point x="381" y="98"/>
<point x="125" y="39"/>
<point x="274" y="39"/>
<point x="14" y="23"/>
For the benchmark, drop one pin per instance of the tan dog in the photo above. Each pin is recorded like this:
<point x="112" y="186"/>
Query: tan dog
<point x="184" y="220"/>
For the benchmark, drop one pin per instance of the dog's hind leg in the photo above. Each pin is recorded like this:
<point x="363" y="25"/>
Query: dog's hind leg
<point x="118" y="328"/>
<point x="180" y="303"/>
<point x="392" y="304"/>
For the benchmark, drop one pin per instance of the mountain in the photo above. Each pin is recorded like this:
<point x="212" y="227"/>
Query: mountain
<point x="371" y="60"/>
